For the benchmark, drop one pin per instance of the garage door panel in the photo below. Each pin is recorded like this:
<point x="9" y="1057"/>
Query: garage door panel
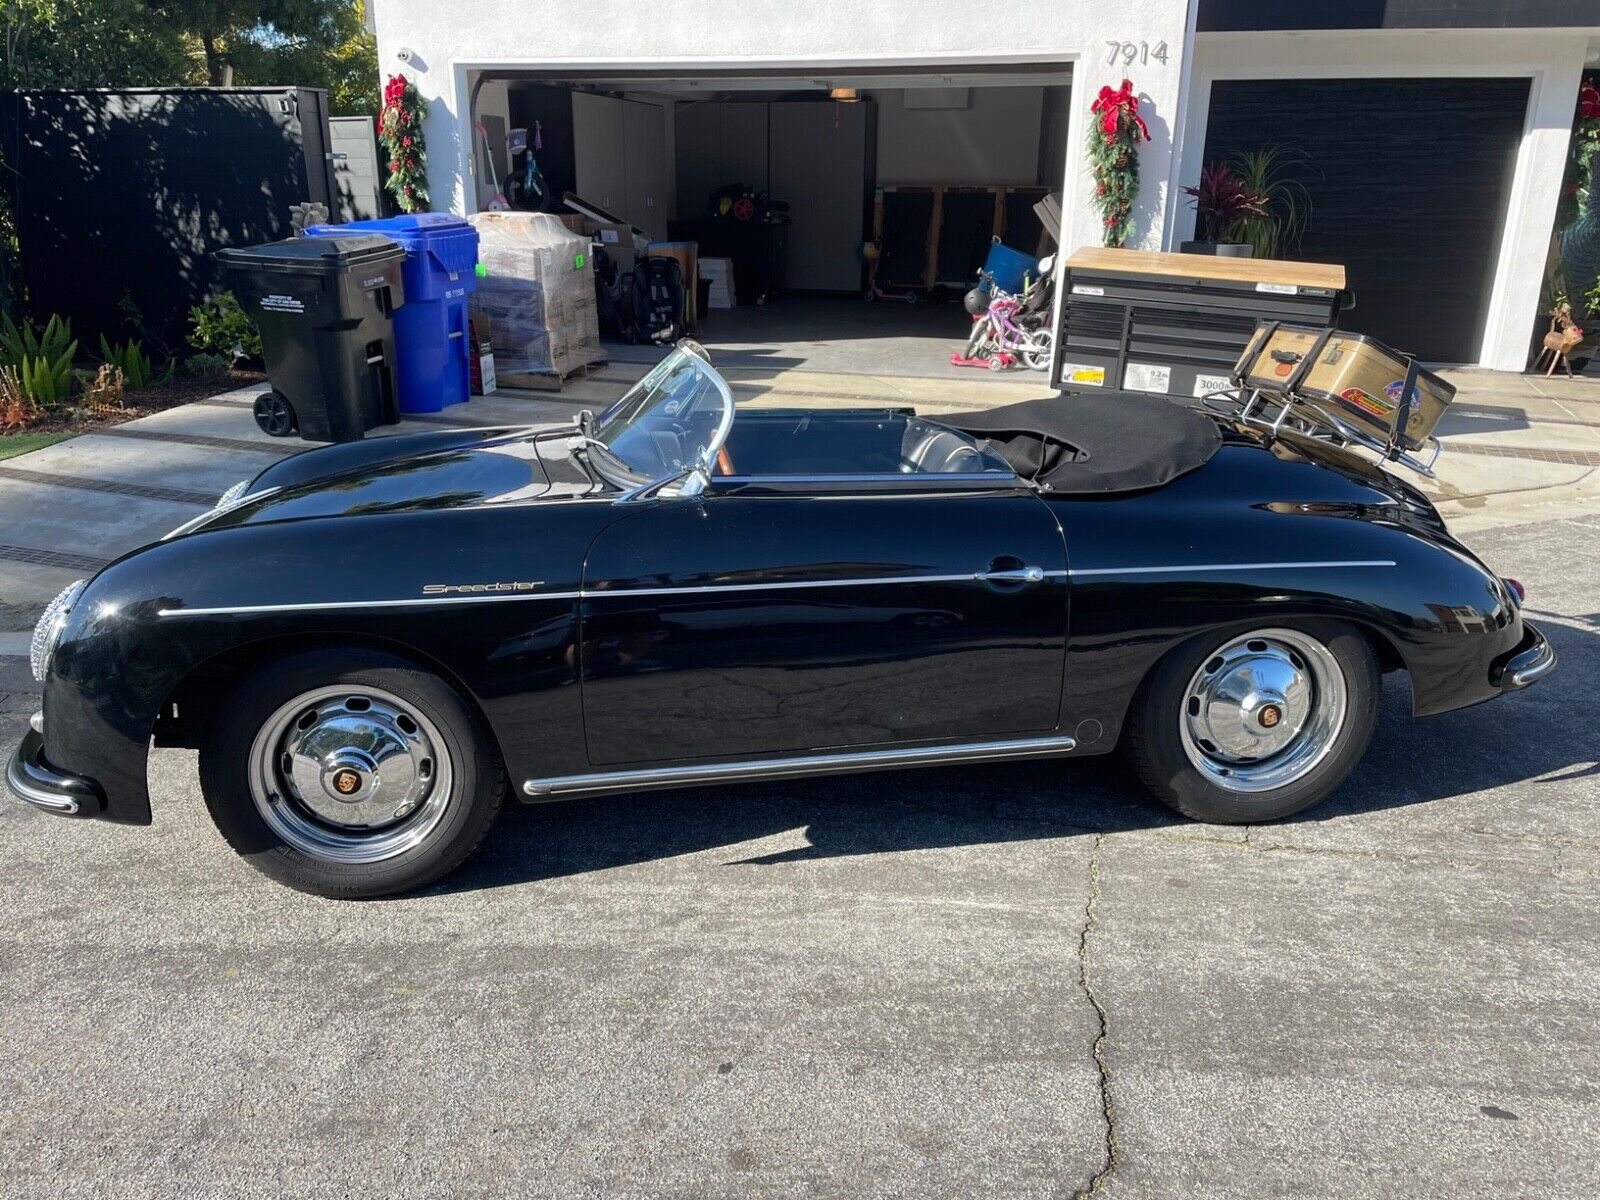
<point x="1409" y="183"/>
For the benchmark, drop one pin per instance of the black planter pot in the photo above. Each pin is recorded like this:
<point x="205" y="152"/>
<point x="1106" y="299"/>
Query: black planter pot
<point x="1220" y="249"/>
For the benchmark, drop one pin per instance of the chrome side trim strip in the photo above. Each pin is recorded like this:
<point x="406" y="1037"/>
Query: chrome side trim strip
<point x="784" y="768"/>
<point x="1080" y="572"/>
<point x="334" y="604"/>
<point x="790" y="584"/>
<point x="859" y="581"/>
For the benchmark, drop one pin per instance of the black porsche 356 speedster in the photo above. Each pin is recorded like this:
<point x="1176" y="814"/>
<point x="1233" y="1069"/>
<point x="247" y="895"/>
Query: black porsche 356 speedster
<point x="371" y="644"/>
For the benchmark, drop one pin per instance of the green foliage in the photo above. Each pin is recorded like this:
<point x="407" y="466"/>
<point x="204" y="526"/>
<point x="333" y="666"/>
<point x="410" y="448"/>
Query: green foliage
<point x="1269" y="174"/>
<point x="46" y="381"/>
<point x="220" y="326"/>
<point x="1113" y="147"/>
<point x="129" y="358"/>
<point x="400" y="135"/>
<point x="124" y="43"/>
<point x="213" y="367"/>
<point x="1221" y="202"/>
<point x="340" y="56"/>
<point x="19" y="343"/>
<point x="90" y="43"/>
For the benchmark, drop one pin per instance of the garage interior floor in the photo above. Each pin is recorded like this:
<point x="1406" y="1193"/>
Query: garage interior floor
<point x="837" y="335"/>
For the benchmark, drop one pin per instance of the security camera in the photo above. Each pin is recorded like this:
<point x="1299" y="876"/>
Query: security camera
<point x="405" y="54"/>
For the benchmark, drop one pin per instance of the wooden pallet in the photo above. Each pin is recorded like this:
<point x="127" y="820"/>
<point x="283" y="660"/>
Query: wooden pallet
<point x="548" y="381"/>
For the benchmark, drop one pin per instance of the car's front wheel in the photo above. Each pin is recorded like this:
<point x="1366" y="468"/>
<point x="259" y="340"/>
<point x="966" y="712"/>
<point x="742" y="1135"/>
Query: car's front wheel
<point x="1258" y="724"/>
<point x="350" y="773"/>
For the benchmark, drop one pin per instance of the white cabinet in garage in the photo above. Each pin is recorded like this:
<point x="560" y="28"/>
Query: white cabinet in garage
<point x="644" y="140"/>
<point x="620" y="156"/>
<point x="818" y="156"/>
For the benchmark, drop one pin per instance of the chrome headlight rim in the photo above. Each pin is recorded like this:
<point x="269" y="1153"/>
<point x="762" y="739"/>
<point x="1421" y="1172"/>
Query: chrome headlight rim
<point x="47" y="633"/>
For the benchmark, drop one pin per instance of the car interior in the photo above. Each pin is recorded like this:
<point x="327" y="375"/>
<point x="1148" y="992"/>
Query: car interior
<point x="850" y="442"/>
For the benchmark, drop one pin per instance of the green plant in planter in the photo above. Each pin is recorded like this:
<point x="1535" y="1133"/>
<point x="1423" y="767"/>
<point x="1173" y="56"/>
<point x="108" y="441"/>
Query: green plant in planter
<point x="129" y="358"/>
<point x="1222" y="200"/>
<point x="220" y="326"/>
<point x="1268" y="173"/>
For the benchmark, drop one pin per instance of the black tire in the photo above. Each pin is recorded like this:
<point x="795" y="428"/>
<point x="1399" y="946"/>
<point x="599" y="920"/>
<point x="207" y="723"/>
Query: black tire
<point x="467" y="807"/>
<point x="274" y="414"/>
<point x="1154" y="742"/>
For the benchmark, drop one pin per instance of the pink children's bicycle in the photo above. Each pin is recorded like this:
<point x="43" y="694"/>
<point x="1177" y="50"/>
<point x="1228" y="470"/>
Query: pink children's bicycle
<point x="1010" y="329"/>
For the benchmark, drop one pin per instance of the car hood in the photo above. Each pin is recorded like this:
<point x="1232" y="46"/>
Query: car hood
<point x="431" y="471"/>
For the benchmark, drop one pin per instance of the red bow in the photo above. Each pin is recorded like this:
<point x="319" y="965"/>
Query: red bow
<point x="1589" y="102"/>
<point x="394" y="91"/>
<point x="1110" y="104"/>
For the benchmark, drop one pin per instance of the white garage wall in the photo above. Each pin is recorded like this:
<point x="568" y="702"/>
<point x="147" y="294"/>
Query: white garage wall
<point x="994" y="139"/>
<point x="448" y="44"/>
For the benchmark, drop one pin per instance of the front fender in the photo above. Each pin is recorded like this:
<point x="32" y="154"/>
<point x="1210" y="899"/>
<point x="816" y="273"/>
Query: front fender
<point x="151" y="619"/>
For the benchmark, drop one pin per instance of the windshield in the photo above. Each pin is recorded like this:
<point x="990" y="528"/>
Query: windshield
<point x="676" y="418"/>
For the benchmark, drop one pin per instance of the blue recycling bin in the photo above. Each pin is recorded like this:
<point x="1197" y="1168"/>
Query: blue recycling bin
<point x="1008" y="267"/>
<point x="430" y="328"/>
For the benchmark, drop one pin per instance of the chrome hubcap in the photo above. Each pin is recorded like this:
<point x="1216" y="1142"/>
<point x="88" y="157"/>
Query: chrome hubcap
<point x="349" y="775"/>
<point x="1263" y="710"/>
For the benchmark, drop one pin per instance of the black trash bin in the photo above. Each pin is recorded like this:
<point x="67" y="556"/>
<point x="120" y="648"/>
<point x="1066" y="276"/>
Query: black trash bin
<point x="325" y="308"/>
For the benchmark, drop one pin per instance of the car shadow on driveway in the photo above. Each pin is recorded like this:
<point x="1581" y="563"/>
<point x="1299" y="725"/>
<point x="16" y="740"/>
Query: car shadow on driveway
<point x="1541" y="737"/>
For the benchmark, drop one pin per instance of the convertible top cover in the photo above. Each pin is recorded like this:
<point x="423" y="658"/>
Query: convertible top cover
<point x="1117" y="442"/>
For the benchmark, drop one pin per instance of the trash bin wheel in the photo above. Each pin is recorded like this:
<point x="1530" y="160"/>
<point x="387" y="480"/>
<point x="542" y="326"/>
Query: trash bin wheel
<point x="275" y="415"/>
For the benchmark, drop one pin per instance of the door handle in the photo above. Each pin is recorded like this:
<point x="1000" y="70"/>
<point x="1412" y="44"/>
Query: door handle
<point x="1013" y="575"/>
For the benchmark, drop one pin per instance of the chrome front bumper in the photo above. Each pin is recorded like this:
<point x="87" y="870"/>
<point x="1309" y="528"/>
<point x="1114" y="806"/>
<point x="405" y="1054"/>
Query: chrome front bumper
<point x="31" y="778"/>
<point x="1531" y="661"/>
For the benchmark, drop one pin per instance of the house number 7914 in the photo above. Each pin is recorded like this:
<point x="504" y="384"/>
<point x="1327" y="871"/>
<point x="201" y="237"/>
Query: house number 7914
<point x="1129" y="53"/>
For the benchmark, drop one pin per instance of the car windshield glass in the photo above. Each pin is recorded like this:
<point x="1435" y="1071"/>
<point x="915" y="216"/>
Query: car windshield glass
<point x="676" y="418"/>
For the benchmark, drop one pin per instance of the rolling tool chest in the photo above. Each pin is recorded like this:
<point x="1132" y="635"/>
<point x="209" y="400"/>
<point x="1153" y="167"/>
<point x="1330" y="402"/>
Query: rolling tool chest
<point x="1176" y="324"/>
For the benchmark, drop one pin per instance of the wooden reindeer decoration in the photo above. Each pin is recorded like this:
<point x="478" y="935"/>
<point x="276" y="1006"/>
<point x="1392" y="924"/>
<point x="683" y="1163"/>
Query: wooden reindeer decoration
<point x="1562" y="338"/>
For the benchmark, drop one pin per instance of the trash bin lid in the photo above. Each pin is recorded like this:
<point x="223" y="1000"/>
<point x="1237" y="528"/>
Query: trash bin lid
<point x="314" y="255"/>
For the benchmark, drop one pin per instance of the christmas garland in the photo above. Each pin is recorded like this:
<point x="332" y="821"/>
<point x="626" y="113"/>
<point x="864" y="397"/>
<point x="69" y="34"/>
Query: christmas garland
<point x="400" y="131"/>
<point x="1114" y="159"/>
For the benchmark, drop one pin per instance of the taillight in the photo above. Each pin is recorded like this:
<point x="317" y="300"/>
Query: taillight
<point x="1517" y="590"/>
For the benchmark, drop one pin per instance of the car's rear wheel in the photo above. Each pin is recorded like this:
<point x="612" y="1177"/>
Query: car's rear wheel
<point x="350" y="773"/>
<point x="1257" y="724"/>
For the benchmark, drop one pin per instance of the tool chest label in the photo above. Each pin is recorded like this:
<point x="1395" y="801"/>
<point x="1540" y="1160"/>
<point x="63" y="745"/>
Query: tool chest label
<point x="1083" y="375"/>
<point x="1146" y="377"/>
<point x="1278" y="289"/>
<point x="1206" y="385"/>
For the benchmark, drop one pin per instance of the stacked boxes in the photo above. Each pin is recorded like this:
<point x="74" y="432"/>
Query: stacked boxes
<point x="535" y="302"/>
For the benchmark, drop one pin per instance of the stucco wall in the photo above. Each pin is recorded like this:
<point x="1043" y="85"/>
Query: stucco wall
<point x="450" y="43"/>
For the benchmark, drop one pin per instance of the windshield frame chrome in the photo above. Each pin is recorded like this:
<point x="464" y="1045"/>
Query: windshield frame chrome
<point x="691" y="479"/>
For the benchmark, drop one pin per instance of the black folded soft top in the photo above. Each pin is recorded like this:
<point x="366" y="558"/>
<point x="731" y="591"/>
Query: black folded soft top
<point x="1113" y="442"/>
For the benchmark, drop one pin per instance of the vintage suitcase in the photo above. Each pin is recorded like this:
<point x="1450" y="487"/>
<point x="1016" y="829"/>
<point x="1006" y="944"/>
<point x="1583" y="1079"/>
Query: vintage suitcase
<point x="1353" y="377"/>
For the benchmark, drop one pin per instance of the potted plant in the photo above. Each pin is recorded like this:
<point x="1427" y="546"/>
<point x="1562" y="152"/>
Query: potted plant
<point x="1222" y="201"/>
<point x="1270" y="173"/>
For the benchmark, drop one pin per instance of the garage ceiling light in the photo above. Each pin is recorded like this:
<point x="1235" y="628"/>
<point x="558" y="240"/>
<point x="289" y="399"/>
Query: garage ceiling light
<point x="843" y="95"/>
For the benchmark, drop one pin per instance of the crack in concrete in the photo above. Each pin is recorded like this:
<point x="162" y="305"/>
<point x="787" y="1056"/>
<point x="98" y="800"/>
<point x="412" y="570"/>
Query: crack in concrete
<point x="1108" y="1108"/>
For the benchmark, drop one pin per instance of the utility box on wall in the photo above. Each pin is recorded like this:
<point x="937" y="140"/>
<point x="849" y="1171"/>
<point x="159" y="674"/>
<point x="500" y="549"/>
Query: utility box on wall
<point x="121" y="198"/>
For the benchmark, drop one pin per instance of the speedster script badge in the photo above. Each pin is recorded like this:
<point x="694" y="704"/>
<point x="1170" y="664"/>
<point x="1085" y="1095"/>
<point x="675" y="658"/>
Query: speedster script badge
<point x="469" y="589"/>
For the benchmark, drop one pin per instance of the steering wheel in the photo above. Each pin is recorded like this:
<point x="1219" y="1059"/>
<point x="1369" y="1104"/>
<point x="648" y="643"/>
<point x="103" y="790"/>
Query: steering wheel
<point x="724" y="461"/>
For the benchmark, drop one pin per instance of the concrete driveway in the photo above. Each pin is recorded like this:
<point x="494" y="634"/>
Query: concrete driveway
<point x="1017" y="980"/>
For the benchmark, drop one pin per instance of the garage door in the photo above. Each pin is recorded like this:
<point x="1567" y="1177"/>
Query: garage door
<point x="1409" y="183"/>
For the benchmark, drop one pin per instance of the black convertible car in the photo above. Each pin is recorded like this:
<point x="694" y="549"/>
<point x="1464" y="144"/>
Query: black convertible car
<point x="372" y="643"/>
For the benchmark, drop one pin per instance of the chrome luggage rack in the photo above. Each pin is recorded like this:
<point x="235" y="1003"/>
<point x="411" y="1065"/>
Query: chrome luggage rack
<point x="1276" y="412"/>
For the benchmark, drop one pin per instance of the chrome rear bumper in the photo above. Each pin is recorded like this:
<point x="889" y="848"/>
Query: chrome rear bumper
<point x="31" y="778"/>
<point x="1531" y="661"/>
